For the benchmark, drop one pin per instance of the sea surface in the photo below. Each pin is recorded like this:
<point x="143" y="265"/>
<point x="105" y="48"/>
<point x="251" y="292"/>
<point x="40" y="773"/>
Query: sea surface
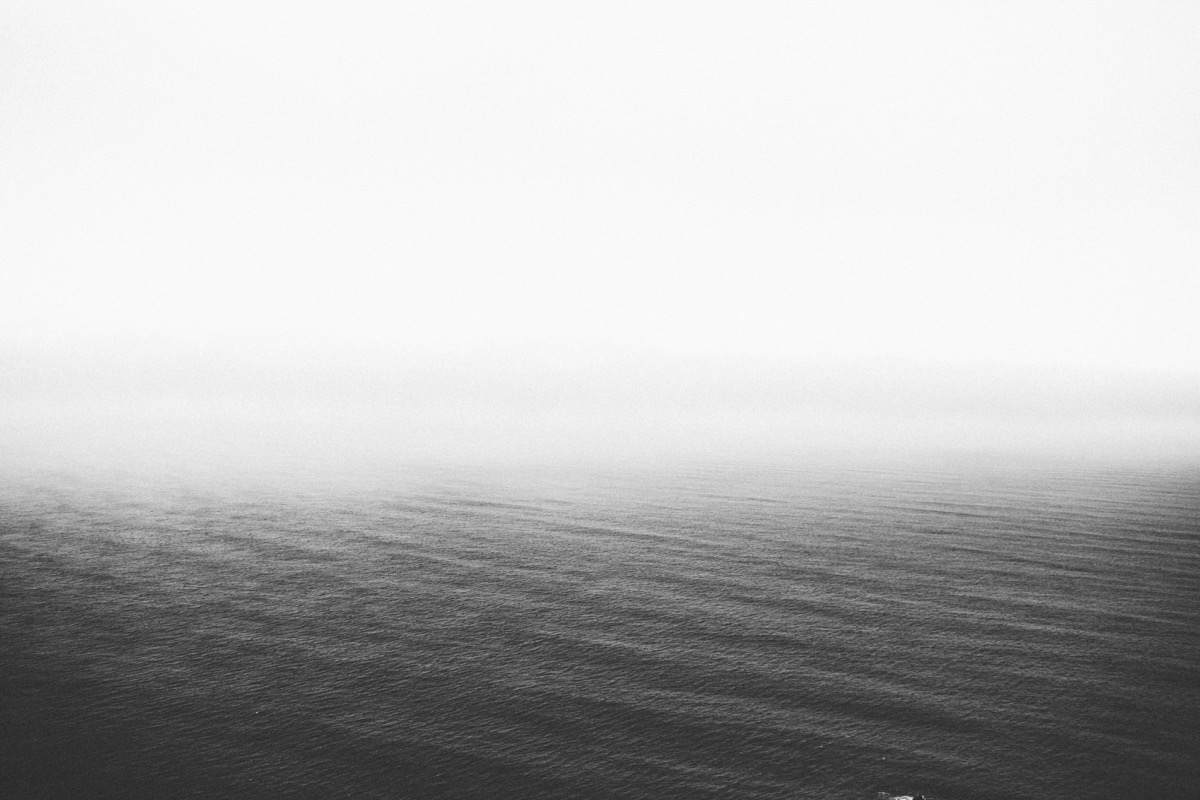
<point x="967" y="629"/>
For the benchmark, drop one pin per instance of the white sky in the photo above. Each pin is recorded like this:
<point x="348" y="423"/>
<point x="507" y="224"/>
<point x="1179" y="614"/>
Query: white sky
<point x="960" y="182"/>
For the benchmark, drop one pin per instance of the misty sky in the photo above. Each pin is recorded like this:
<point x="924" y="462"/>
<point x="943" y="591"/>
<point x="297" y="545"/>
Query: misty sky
<point x="932" y="207"/>
<point x="962" y="182"/>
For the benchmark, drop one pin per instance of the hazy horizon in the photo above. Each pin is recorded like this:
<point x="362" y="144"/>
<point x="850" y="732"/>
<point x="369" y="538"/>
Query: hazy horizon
<point x="356" y="409"/>
<point x="466" y="228"/>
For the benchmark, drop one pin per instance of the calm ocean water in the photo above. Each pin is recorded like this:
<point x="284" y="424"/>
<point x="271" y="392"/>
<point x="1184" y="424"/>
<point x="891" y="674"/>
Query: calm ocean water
<point x="967" y="630"/>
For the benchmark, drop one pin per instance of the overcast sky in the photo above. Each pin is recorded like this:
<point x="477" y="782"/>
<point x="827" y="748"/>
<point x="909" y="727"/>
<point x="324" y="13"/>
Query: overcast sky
<point x="950" y="182"/>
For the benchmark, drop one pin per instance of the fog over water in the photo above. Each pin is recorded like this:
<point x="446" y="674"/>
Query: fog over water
<point x="743" y="401"/>
<point x="489" y="411"/>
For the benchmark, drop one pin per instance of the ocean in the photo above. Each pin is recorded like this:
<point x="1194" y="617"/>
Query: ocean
<point x="966" y="628"/>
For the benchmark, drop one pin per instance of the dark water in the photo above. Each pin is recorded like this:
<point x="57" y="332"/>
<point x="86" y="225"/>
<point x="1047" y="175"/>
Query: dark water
<point x="966" y="630"/>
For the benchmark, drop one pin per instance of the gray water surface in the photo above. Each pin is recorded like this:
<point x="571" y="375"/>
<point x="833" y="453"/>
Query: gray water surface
<point x="969" y="630"/>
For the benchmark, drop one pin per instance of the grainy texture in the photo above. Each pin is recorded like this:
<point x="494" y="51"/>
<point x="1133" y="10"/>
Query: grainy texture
<point x="969" y="631"/>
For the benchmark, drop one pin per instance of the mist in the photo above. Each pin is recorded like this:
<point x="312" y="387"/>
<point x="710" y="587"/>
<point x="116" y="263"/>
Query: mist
<point x="474" y="231"/>
<point x="357" y="412"/>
